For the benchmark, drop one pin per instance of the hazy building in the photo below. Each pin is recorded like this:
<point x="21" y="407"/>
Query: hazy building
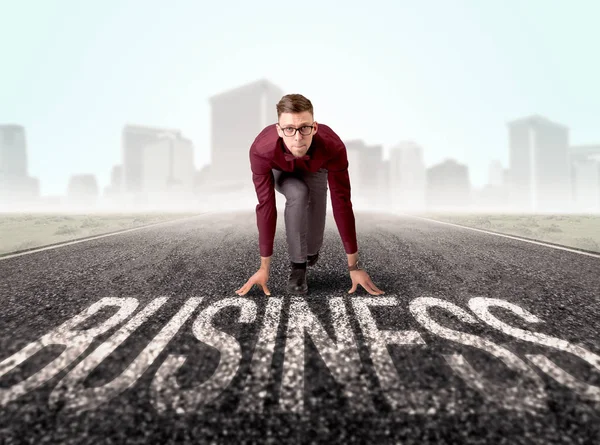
<point x="496" y="174"/>
<point x="16" y="186"/>
<point x="448" y="186"/>
<point x="237" y="117"/>
<point x="373" y="169"/>
<point x="156" y="161"/>
<point x="168" y="170"/>
<point x="354" y="148"/>
<point x="490" y="198"/>
<point x="201" y="178"/>
<point x="493" y="196"/>
<point x="586" y="185"/>
<point x="578" y="152"/>
<point x="366" y="170"/>
<point x="82" y="191"/>
<point x="383" y="194"/>
<point x="539" y="165"/>
<point x="116" y="178"/>
<point x="13" y="151"/>
<point x="585" y="177"/>
<point x="506" y="177"/>
<point x="407" y="182"/>
<point x="116" y="181"/>
<point x="134" y="139"/>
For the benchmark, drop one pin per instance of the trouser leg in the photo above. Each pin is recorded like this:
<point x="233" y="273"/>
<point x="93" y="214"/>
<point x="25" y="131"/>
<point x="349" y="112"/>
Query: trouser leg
<point x="305" y="208"/>
<point x="317" y="208"/>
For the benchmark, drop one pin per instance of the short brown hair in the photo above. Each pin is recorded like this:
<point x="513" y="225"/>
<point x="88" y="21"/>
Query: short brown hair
<point x="294" y="103"/>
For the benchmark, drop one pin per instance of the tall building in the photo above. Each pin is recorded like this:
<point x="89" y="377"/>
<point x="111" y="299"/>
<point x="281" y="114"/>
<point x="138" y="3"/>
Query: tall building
<point x="448" y="186"/>
<point x="13" y="151"/>
<point x="168" y="169"/>
<point x="585" y="177"/>
<point x="82" y="191"/>
<point x="496" y="174"/>
<point x="134" y="139"/>
<point x="539" y="165"/>
<point x="237" y="117"/>
<point x="16" y="186"/>
<point x="156" y="161"/>
<point x="366" y="170"/>
<point x="407" y="182"/>
<point x="116" y="182"/>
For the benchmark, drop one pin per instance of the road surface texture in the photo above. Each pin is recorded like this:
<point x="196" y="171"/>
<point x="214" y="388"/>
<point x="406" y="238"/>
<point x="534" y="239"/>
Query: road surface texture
<point x="139" y="337"/>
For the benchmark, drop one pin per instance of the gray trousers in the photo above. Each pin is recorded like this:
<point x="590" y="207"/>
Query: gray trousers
<point x="305" y="208"/>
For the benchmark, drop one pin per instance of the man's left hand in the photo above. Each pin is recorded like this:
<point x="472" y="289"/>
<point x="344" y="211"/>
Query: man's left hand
<point x="362" y="277"/>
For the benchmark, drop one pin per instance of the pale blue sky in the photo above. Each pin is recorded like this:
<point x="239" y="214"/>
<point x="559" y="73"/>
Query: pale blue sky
<point x="447" y="74"/>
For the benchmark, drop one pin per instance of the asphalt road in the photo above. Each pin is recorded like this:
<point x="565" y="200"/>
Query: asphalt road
<point x="139" y="337"/>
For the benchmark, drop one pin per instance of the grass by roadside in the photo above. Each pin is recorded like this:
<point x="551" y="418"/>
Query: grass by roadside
<point x="25" y="231"/>
<point x="581" y="231"/>
<point x="31" y="230"/>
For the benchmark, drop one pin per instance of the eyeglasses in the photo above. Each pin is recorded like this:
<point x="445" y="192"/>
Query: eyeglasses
<point x="291" y="131"/>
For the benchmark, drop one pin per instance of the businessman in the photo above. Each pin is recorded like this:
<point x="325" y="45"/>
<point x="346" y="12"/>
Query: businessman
<point x="299" y="158"/>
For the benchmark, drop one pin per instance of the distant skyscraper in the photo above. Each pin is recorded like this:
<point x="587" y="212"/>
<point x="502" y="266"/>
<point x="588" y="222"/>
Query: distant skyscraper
<point x="407" y="182"/>
<point x="579" y="152"/>
<point x="156" y="160"/>
<point x="539" y="164"/>
<point x="16" y="186"/>
<point x="113" y="190"/>
<point x="13" y="152"/>
<point x="356" y="171"/>
<point x="585" y="176"/>
<point x="168" y="166"/>
<point x="116" y="179"/>
<point x="383" y="194"/>
<point x="495" y="174"/>
<point x="366" y="171"/>
<point x="448" y="186"/>
<point x="237" y="117"/>
<point x="134" y="139"/>
<point x="82" y="191"/>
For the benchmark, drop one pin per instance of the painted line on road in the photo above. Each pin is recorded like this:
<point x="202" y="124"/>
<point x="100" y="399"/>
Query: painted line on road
<point x="82" y="240"/>
<point x="554" y="246"/>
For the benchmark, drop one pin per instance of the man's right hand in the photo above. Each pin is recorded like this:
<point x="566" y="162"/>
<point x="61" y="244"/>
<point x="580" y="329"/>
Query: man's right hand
<point x="260" y="277"/>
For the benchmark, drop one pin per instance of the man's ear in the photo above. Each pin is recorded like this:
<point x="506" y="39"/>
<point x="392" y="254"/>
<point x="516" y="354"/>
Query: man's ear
<point x="278" y="130"/>
<point x="316" y="127"/>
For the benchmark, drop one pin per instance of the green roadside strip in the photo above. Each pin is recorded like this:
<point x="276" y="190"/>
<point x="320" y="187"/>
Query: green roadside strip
<point x="577" y="231"/>
<point x="26" y="232"/>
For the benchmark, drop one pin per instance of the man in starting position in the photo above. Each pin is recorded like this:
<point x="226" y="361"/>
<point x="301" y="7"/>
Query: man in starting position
<point x="298" y="158"/>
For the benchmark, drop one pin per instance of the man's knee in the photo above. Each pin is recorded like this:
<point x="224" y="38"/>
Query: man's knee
<point x="296" y="193"/>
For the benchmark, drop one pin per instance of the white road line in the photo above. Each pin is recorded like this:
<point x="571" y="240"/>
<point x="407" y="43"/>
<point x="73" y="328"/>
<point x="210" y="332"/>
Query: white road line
<point x="55" y="246"/>
<point x="506" y="236"/>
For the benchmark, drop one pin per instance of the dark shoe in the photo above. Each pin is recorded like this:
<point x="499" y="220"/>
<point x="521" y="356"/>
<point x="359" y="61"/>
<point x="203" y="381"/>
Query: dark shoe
<point x="312" y="259"/>
<point x="297" y="282"/>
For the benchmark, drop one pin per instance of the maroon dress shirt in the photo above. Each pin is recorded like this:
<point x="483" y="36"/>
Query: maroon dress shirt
<point x="268" y="151"/>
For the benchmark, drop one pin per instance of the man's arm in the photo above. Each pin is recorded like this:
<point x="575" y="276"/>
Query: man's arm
<point x="339" y="184"/>
<point x="339" y="187"/>
<point x="266" y="211"/>
<point x="266" y="220"/>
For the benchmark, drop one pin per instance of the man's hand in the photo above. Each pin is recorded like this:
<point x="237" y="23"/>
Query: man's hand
<point x="260" y="277"/>
<point x="362" y="277"/>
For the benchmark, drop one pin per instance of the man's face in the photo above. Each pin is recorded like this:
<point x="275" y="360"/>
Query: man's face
<point x="298" y="144"/>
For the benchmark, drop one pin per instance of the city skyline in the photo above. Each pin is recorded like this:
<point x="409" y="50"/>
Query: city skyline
<point x="579" y="149"/>
<point x="545" y="173"/>
<point x="449" y="78"/>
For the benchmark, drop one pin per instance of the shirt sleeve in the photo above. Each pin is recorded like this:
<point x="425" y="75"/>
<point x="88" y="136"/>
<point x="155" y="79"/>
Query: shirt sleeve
<point x="339" y="186"/>
<point x="266" y="211"/>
